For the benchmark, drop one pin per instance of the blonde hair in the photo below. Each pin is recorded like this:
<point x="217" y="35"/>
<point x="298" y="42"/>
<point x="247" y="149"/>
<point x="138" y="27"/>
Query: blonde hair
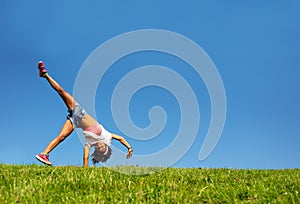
<point x="98" y="156"/>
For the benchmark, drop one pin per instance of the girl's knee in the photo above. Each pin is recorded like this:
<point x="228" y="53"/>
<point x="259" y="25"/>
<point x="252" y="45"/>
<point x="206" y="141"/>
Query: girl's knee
<point x="62" y="137"/>
<point x="61" y="91"/>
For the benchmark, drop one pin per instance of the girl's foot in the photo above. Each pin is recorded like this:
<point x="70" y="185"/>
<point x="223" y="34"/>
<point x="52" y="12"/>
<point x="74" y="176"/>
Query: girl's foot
<point x="44" y="158"/>
<point x="42" y="69"/>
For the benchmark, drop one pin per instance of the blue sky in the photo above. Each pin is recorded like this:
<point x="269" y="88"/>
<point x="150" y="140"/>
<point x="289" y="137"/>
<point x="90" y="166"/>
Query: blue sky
<point x="255" y="46"/>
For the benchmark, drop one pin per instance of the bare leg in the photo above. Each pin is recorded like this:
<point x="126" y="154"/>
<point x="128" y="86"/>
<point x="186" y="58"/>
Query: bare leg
<point x="67" y="98"/>
<point x="66" y="130"/>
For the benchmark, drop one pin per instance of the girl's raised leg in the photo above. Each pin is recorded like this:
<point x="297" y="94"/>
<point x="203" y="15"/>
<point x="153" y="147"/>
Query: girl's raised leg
<point x="67" y="98"/>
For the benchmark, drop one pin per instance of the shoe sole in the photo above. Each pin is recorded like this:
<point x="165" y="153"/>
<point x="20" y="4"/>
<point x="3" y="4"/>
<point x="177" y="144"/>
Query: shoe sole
<point x="42" y="160"/>
<point x="41" y="63"/>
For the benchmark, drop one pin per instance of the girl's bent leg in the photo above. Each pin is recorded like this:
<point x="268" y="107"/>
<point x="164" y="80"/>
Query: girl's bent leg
<point x="66" y="130"/>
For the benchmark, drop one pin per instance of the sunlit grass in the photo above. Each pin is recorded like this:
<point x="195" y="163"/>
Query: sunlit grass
<point x="42" y="184"/>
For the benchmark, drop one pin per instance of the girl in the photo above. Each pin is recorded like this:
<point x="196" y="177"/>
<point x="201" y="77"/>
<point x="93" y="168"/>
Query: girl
<point x="95" y="134"/>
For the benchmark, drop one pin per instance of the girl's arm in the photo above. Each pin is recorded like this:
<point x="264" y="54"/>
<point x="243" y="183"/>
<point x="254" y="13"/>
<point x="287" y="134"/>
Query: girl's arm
<point x="86" y="154"/>
<point x="125" y="143"/>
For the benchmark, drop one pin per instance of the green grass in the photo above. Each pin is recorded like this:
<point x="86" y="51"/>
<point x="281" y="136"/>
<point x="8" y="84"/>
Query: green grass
<point x="42" y="184"/>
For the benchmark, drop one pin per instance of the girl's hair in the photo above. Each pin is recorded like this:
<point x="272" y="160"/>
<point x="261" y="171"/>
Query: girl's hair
<point x="101" y="157"/>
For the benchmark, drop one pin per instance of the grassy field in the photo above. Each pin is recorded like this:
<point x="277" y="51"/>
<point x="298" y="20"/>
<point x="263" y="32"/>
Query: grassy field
<point x="42" y="184"/>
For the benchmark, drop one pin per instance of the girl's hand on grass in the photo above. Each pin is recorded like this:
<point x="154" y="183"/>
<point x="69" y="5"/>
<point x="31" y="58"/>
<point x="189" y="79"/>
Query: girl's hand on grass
<point x="129" y="154"/>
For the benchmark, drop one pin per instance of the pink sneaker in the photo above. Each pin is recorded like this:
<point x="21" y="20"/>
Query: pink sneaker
<point x="42" y="69"/>
<point x="44" y="158"/>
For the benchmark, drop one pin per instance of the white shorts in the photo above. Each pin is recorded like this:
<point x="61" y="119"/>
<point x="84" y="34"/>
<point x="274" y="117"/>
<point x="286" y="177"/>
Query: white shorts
<point x="76" y="115"/>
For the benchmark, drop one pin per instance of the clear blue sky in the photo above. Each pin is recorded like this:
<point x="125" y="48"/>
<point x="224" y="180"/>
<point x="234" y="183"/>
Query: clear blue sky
<point x="254" y="44"/>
